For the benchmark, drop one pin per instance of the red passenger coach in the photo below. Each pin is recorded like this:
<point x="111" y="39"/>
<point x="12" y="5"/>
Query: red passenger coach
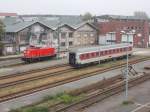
<point x="87" y="55"/>
<point x="37" y="53"/>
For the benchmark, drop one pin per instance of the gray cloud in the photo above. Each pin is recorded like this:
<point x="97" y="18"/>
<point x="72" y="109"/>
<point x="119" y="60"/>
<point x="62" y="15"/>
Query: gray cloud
<point x="124" y="7"/>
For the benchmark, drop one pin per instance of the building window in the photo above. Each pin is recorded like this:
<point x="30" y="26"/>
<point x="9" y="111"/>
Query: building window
<point x="92" y="35"/>
<point x="78" y="35"/>
<point x="70" y="35"/>
<point x="70" y="43"/>
<point x="63" y="35"/>
<point x="132" y="27"/>
<point x="63" y="43"/>
<point x="85" y="35"/>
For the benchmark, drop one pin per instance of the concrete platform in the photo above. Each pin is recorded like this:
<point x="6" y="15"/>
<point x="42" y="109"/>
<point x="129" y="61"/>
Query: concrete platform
<point x="140" y="95"/>
<point x="32" y="98"/>
<point x="141" y="51"/>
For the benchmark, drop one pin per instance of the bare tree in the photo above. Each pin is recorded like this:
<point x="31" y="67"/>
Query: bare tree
<point x="141" y="15"/>
<point x="87" y="16"/>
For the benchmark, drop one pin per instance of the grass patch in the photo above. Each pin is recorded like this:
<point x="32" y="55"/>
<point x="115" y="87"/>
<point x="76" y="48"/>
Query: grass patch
<point x="63" y="97"/>
<point x="127" y="102"/>
<point x="48" y="101"/>
<point x="32" y="109"/>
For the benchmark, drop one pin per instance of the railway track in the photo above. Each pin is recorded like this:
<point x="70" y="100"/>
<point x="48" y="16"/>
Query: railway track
<point x="100" y="95"/>
<point x="142" y="108"/>
<point x="61" y="79"/>
<point x="88" y="91"/>
<point x="9" y="58"/>
<point x="34" y="76"/>
<point x="31" y="71"/>
<point x="11" y="63"/>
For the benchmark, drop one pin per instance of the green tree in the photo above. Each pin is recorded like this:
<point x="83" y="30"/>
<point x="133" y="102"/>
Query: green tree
<point x="87" y="16"/>
<point x="1" y="35"/>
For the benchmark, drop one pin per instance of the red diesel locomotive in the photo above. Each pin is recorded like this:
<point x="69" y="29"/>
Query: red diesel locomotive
<point x="33" y="54"/>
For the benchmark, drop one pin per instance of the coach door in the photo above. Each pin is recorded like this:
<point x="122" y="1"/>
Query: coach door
<point x="72" y="58"/>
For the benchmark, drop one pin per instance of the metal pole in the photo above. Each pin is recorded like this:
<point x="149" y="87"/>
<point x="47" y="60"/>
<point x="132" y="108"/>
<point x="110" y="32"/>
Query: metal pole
<point x="99" y="55"/>
<point x="58" y="50"/>
<point x="111" y="38"/>
<point x="127" y="72"/>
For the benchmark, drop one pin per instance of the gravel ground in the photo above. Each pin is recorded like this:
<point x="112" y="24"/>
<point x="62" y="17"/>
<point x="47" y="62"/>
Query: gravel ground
<point x="26" y="100"/>
<point x="141" y="51"/>
<point x="140" y="95"/>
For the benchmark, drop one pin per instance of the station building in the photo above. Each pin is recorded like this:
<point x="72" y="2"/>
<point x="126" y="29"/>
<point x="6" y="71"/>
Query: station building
<point x="116" y="29"/>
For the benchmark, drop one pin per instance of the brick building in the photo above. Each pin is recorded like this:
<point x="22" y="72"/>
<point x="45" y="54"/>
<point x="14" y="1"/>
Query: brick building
<point x="116" y="29"/>
<point x="3" y="15"/>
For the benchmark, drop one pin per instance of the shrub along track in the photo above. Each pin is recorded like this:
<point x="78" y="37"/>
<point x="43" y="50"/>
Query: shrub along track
<point x="88" y="90"/>
<point x="12" y="90"/>
<point x="101" y="94"/>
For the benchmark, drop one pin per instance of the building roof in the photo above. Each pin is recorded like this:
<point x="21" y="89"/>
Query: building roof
<point x="15" y="27"/>
<point x="15" y="24"/>
<point x="121" y="17"/>
<point x="8" y="14"/>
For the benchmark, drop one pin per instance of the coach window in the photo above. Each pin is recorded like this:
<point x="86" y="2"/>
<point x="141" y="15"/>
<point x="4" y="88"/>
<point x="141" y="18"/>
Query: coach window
<point x="110" y="51"/>
<point x="97" y="53"/>
<point x="84" y="56"/>
<point x="120" y="49"/>
<point x="124" y="49"/>
<point x="90" y="55"/>
<point x="117" y="50"/>
<point x="114" y="51"/>
<point x="81" y="56"/>
<point x="93" y="54"/>
<point x="101" y="53"/>
<point x="105" y="52"/>
<point x="87" y="56"/>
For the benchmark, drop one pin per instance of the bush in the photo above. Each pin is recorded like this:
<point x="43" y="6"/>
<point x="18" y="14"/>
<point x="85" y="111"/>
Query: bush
<point x="127" y="102"/>
<point x="67" y="98"/>
<point x="14" y="110"/>
<point x="36" y="109"/>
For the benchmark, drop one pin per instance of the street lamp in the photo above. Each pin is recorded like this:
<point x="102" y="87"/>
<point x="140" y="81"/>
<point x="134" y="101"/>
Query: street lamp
<point x="127" y="69"/>
<point x="127" y="74"/>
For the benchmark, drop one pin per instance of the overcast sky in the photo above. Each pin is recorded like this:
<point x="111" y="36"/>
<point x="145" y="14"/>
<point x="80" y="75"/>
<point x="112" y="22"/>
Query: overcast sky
<point x="96" y="7"/>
